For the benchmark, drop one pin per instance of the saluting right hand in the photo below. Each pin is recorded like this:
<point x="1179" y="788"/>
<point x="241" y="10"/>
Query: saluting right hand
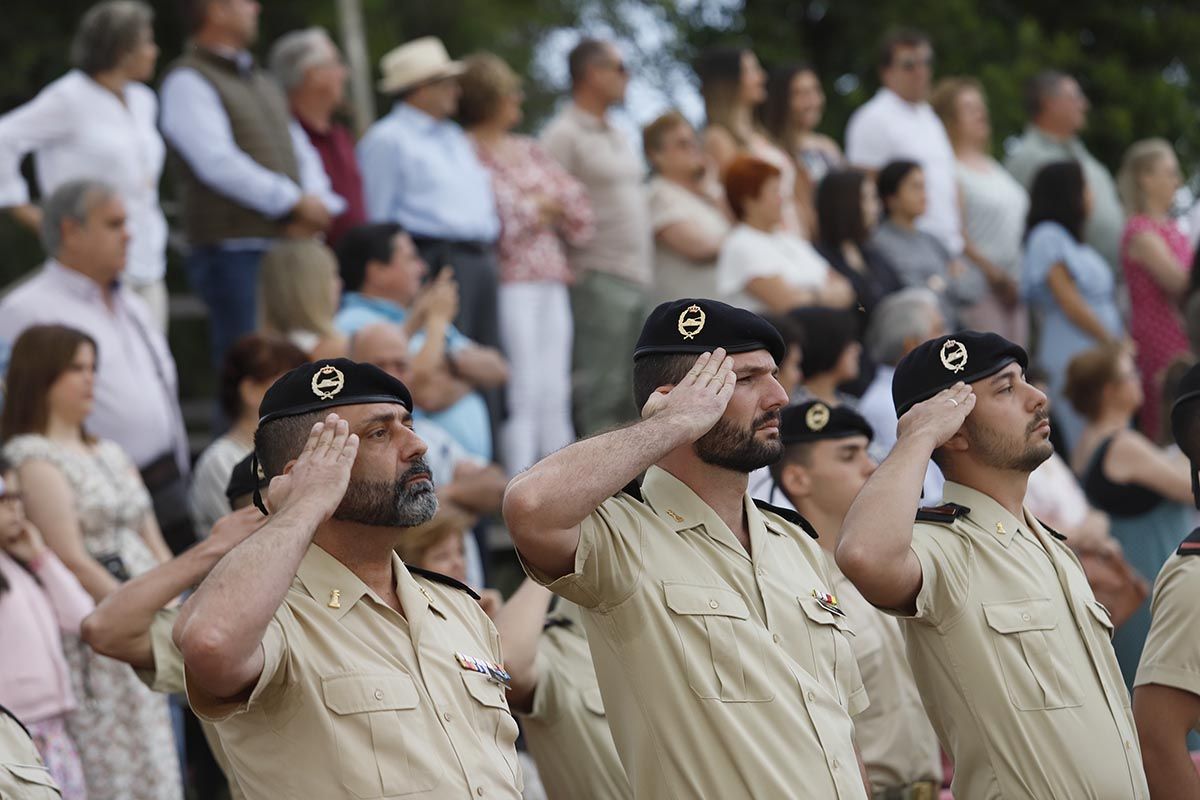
<point x="321" y="473"/>
<point x="699" y="400"/>
<point x="939" y="417"/>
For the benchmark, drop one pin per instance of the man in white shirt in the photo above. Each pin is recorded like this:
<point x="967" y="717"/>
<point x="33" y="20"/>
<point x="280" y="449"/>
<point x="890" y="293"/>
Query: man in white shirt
<point x="899" y="123"/>
<point x="249" y="173"/>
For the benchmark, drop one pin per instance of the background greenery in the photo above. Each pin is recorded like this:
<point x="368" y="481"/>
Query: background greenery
<point x="1135" y="60"/>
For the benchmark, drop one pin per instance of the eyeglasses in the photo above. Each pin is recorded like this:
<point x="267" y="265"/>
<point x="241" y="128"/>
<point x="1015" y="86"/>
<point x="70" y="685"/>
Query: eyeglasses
<point x="912" y="62"/>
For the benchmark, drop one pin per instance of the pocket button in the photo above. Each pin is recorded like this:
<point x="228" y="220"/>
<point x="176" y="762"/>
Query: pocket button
<point x="713" y="604"/>
<point x="1026" y="617"/>
<point x="378" y="694"/>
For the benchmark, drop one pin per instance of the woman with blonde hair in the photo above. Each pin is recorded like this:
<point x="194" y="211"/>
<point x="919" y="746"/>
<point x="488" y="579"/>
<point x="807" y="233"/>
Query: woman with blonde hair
<point x="1157" y="259"/>
<point x="1145" y="490"/>
<point x="88" y="501"/>
<point x="733" y="85"/>
<point x="298" y="293"/>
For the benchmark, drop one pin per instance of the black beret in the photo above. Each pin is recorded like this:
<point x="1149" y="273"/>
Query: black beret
<point x="1187" y="403"/>
<point x="815" y="421"/>
<point x="330" y="383"/>
<point x="699" y="326"/>
<point x="245" y="477"/>
<point x="938" y="364"/>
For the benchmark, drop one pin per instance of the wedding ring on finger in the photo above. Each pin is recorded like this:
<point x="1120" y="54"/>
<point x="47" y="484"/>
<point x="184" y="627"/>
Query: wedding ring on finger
<point x="952" y="400"/>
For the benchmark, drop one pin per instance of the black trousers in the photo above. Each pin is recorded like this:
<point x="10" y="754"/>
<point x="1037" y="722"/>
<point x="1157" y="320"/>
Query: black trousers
<point x="477" y="272"/>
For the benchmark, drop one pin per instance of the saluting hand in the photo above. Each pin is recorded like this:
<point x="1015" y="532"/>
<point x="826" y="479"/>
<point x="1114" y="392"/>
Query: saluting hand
<point x="699" y="400"/>
<point x="939" y="417"/>
<point x="322" y="472"/>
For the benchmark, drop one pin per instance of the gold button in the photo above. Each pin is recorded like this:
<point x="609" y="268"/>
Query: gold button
<point x="775" y="637"/>
<point x="713" y="604"/>
<point x="446" y="716"/>
<point x="1026" y="617"/>
<point x="811" y="697"/>
<point x="378" y="694"/>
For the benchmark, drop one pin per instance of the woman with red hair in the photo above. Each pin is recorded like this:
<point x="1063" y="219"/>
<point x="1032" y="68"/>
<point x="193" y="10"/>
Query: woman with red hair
<point x="763" y="268"/>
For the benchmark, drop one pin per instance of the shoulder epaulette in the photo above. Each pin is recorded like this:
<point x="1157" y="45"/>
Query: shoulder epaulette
<point x="438" y="577"/>
<point x="634" y="490"/>
<point x="1191" y="545"/>
<point x="943" y="514"/>
<point x="556" y="622"/>
<point x="1052" y="532"/>
<point x="788" y="514"/>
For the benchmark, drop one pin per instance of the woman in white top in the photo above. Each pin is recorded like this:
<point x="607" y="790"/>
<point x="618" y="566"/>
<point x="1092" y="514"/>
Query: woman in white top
<point x="762" y="268"/>
<point x="994" y="205"/>
<point x="99" y="121"/>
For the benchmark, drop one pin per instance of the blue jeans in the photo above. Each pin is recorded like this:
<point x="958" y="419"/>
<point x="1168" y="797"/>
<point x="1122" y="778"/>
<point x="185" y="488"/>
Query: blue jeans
<point x="227" y="281"/>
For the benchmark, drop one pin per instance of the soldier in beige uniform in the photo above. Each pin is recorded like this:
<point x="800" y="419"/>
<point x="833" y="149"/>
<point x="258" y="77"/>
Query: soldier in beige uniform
<point x="1009" y="647"/>
<point x="134" y="623"/>
<point x="555" y="693"/>
<point x="824" y="465"/>
<point x="329" y="667"/>
<point x="1166" y="690"/>
<point x="23" y="774"/>
<point x="725" y="668"/>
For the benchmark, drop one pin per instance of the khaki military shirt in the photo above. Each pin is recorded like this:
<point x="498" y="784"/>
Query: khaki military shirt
<point x="723" y="677"/>
<point x="894" y="737"/>
<point x="1171" y="656"/>
<point x="567" y="730"/>
<point x="356" y="700"/>
<point x="167" y="678"/>
<point x="1011" y="653"/>
<point x="23" y="774"/>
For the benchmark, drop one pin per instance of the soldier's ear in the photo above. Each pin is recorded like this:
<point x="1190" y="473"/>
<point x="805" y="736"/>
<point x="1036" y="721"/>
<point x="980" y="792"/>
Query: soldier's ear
<point x="795" y="481"/>
<point x="958" y="442"/>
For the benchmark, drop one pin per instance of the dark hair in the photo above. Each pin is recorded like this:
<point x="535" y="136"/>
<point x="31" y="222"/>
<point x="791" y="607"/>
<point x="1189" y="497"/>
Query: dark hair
<point x="789" y="328"/>
<point x="662" y="369"/>
<point x="39" y="357"/>
<point x="795" y="453"/>
<point x="108" y="32"/>
<point x="744" y="179"/>
<point x="1057" y="196"/>
<point x="891" y="176"/>
<point x="839" y="208"/>
<point x="584" y="55"/>
<point x="896" y="38"/>
<point x="194" y="13"/>
<point x="362" y="244"/>
<point x="827" y="334"/>
<point x="1038" y="88"/>
<point x="775" y="115"/>
<point x="258" y="357"/>
<point x="720" y="72"/>
<point x="280" y="440"/>
<point x="5" y="468"/>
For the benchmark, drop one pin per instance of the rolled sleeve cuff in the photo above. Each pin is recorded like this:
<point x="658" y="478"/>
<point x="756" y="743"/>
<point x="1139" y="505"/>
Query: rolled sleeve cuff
<point x="216" y="709"/>
<point x="569" y="585"/>
<point x="1167" y="675"/>
<point x="858" y="702"/>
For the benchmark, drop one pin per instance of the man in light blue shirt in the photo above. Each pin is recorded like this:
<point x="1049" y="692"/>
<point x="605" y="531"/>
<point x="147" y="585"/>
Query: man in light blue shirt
<point x="420" y="171"/>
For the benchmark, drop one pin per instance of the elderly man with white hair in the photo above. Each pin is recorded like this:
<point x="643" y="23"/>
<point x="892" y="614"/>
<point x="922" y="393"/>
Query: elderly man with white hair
<point x="901" y="322"/>
<point x="310" y="68"/>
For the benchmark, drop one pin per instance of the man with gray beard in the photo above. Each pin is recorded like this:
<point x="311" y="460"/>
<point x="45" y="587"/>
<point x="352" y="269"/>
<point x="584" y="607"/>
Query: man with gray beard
<point x="328" y="667"/>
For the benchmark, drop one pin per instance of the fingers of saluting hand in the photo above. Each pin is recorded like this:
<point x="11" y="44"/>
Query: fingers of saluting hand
<point x="335" y="427"/>
<point x="349" y="449"/>
<point x="694" y="373"/>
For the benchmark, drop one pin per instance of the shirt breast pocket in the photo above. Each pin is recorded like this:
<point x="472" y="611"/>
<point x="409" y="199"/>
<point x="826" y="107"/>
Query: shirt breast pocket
<point x="383" y="749"/>
<point x="828" y="634"/>
<point x="1030" y="654"/>
<point x="493" y="719"/>
<point x="720" y="645"/>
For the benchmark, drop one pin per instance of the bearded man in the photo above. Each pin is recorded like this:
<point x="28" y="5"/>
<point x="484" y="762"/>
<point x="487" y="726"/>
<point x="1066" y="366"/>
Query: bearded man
<point x="329" y="667"/>
<point x="1008" y="645"/>
<point x="721" y="655"/>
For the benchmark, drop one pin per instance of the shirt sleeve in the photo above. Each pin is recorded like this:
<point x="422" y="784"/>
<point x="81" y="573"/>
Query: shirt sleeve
<point x="313" y="178"/>
<point x="67" y="597"/>
<point x="608" y="561"/>
<point x="577" y="225"/>
<point x="1047" y="245"/>
<point x="378" y="160"/>
<point x="196" y="125"/>
<point x="1171" y="656"/>
<point x="167" y="675"/>
<point x="945" y="570"/>
<point x="867" y="144"/>
<point x="271" y="681"/>
<point x="45" y="120"/>
<point x="547" y="696"/>
<point x="742" y="260"/>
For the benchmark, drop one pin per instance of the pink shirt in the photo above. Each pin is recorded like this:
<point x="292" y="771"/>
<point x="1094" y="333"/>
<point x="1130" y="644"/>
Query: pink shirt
<point x="34" y="680"/>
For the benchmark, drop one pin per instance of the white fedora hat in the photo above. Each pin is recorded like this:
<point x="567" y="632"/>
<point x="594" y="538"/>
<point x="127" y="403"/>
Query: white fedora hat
<point x="416" y="62"/>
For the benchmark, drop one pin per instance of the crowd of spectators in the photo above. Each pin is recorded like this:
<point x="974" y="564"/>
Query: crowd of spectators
<point x="504" y="278"/>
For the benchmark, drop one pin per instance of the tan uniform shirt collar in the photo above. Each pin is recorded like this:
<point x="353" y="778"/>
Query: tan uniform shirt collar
<point x="335" y="587"/>
<point x="986" y="513"/>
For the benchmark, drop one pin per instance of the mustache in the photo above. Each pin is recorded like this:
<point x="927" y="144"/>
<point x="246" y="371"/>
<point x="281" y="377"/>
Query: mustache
<point x="770" y="418"/>
<point x="1038" y="418"/>
<point x="419" y="470"/>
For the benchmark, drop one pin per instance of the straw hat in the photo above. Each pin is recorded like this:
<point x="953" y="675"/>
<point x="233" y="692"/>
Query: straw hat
<point x="416" y="62"/>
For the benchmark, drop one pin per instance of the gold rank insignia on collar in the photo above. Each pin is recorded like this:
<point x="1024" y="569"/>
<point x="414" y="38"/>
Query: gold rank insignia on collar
<point x="1000" y="528"/>
<point x="828" y="602"/>
<point x="691" y="321"/>
<point x="335" y="598"/>
<point x="328" y="382"/>
<point x="671" y="513"/>
<point x="494" y="672"/>
<point x="954" y="355"/>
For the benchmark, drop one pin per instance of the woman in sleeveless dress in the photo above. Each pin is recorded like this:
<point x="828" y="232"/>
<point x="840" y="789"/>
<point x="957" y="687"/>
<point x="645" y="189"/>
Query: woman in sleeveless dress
<point x="88" y="500"/>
